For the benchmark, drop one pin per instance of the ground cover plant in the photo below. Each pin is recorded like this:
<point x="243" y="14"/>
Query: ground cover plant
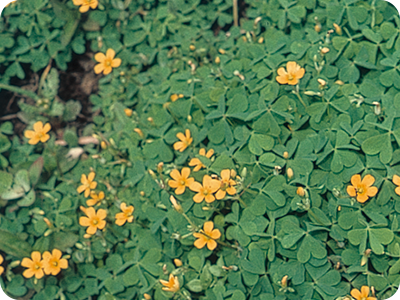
<point x="200" y="149"/>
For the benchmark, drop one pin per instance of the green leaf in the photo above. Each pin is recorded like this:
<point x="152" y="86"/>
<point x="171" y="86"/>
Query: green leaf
<point x="6" y="180"/>
<point x="256" y="262"/>
<point x="195" y="285"/>
<point x="35" y="170"/>
<point x="14" y="246"/>
<point x="28" y="200"/>
<point x="22" y="179"/>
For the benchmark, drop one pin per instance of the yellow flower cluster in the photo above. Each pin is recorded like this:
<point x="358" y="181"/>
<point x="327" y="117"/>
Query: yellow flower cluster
<point x="209" y="190"/>
<point x="51" y="263"/>
<point x="95" y="220"/>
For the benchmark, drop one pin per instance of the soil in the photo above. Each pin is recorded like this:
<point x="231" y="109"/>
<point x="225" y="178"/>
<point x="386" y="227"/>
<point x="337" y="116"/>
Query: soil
<point x="78" y="82"/>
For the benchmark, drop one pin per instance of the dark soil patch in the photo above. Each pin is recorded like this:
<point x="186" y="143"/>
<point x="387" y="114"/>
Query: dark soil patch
<point x="78" y="82"/>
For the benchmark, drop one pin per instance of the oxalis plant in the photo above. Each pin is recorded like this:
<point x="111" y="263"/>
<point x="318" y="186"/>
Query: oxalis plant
<point x="193" y="149"/>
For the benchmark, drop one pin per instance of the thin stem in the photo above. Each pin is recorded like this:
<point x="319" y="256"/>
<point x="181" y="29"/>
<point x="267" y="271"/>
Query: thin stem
<point x="296" y="92"/>
<point x="19" y="91"/>
<point x="235" y="13"/>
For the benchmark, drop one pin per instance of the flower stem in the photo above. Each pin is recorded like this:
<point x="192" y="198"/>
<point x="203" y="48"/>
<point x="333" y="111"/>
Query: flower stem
<point x="18" y="90"/>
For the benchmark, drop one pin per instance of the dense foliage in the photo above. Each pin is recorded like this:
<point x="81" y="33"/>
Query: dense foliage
<point x="233" y="150"/>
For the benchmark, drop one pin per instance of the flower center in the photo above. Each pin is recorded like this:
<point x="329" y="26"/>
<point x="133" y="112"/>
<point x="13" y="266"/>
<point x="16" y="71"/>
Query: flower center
<point x="108" y="63"/>
<point x="55" y="263"/>
<point x="290" y="77"/>
<point x="205" y="192"/>
<point x="38" y="267"/>
<point x="182" y="182"/>
<point x="95" y="221"/>
<point x="360" y="190"/>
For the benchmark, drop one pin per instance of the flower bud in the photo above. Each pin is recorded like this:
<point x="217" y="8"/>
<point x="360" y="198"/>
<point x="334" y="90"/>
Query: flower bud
<point x="48" y="223"/>
<point x="261" y="40"/>
<point x="142" y="193"/>
<point x="177" y="262"/>
<point x="318" y="27"/>
<point x="289" y="173"/>
<point x="222" y="51"/>
<point x="87" y="236"/>
<point x="285" y="155"/>
<point x="284" y="281"/>
<point x="192" y="47"/>
<point x="160" y="167"/>
<point x="139" y="132"/>
<point x="337" y="29"/>
<point x="300" y="191"/>
<point x="174" y="97"/>
<point x="128" y="112"/>
<point x="321" y="82"/>
<point x="377" y="108"/>
<point x="325" y="50"/>
<point x="147" y="296"/>
<point x="217" y="60"/>
<point x="103" y="145"/>
<point x="14" y="264"/>
<point x="176" y="205"/>
<point x="339" y="82"/>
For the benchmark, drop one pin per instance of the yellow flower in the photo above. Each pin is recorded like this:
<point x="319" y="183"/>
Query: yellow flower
<point x="34" y="265"/>
<point x="396" y="181"/>
<point x="87" y="184"/>
<point x="363" y="295"/>
<point x="95" y="198"/>
<point x="85" y="4"/>
<point x="205" y="191"/>
<point x="207" y="236"/>
<point x="172" y="285"/>
<point x="53" y="263"/>
<point x="197" y="162"/>
<point x="94" y="220"/>
<point x="1" y="268"/>
<point x="125" y="215"/>
<point x="106" y="62"/>
<point x="291" y="75"/>
<point x="186" y="140"/>
<point x="362" y="189"/>
<point x="39" y="133"/>
<point x="226" y="184"/>
<point x="181" y="180"/>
